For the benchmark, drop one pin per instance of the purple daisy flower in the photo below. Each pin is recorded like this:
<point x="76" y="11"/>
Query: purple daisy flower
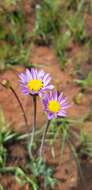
<point x="55" y="105"/>
<point x="35" y="82"/>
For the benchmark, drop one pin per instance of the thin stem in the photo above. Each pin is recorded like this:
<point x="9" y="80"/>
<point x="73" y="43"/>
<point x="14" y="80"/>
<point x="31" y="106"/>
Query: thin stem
<point x="31" y="139"/>
<point x="21" y="106"/>
<point x="43" y="138"/>
<point x="34" y="119"/>
<point x="7" y="85"/>
<point x="34" y="113"/>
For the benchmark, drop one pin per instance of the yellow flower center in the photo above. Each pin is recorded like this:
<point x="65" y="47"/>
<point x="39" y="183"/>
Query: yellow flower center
<point x="53" y="106"/>
<point x="35" y="85"/>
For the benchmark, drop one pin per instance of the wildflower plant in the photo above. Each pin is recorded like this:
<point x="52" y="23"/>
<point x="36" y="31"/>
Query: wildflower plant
<point x="34" y="83"/>
<point x="55" y="106"/>
<point x="37" y="83"/>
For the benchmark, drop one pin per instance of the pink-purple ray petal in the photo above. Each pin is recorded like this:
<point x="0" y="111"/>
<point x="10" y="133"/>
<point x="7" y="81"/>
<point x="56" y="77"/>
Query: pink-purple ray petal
<point x="63" y="103"/>
<point x="33" y="74"/>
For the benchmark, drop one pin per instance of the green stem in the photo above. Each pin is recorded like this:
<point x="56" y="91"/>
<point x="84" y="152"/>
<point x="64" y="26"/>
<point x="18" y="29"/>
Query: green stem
<point x="34" y="113"/>
<point x="43" y="138"/>
<point x="31" y="139"/>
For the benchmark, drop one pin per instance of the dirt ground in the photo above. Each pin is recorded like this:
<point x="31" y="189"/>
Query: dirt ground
<point x="66" y="170"/>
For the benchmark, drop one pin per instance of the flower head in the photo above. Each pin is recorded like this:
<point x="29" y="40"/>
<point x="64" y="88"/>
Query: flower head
<point x="55" y="105"/>
<point x="35" y="82"/>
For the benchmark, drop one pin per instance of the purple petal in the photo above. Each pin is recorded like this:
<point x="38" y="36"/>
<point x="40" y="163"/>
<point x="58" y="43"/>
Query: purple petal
<point x="62" y="114"/>
<point x="26" y="92"/>
<point x="47" y="81"/>
<point x="41" y="73"/>
<point x="28" y="75"/>
<point x="36" y="73"/>
<point x="49" y="87"/>
<point x="50" y="116"/>
<point x="40" y="94"/>
<point x="23" y="78"/>
<point x="46" y="98"/>
<point x="33" y="74"/>
<point x="63" y="99"/>
<point x="65" y="106"/>
<point x="60" y="97"/>
<point x="55" y="95"/>
<point x="50" y="95"/>
<point x="46" y="77"/>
